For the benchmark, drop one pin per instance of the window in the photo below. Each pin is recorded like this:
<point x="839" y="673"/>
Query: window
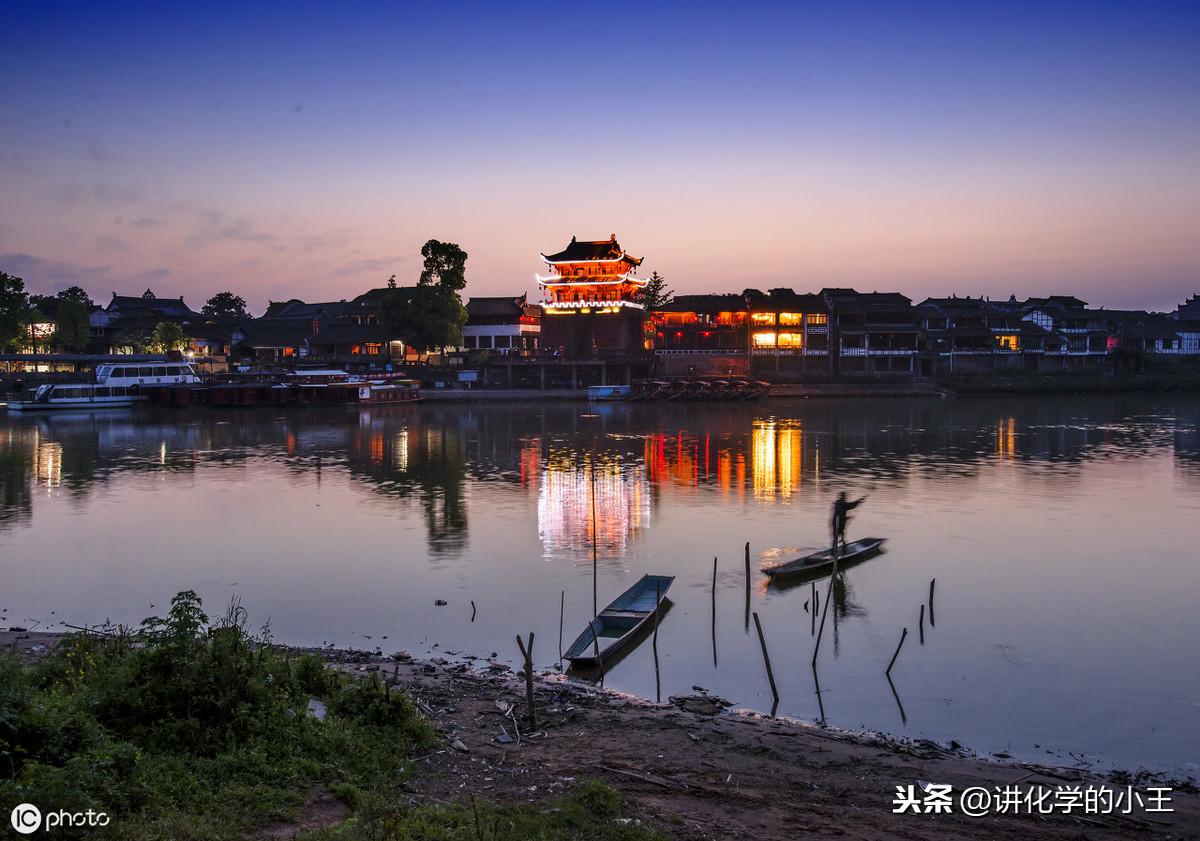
<point x="160" y="371"/>
<point x="502" y="341"/>
<point x="145" y="371"/>
<point x="374" y="348"/>
<point x="817" y="318"/>
<point x="791" y="340"/>
<point x="791" y="318"/>
<point x="355" y="350"/>
<point x="470" y="342"/>
<point x="1010" y="342"/>
<point x="764" y="339"/>
<point x="485" y="342"/>
<point x="102" y="392"/>
<point x="762" y="318"/>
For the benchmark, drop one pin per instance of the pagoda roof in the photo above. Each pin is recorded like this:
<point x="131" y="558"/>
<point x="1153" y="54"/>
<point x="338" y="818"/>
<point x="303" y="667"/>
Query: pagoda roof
<point x="578" y="251"/>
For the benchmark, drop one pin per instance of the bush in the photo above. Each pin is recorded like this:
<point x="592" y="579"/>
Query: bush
<point x="191" y="728"/>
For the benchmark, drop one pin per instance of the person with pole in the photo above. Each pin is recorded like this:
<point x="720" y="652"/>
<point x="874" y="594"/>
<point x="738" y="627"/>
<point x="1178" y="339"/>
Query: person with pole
<point x="842" y="507"/>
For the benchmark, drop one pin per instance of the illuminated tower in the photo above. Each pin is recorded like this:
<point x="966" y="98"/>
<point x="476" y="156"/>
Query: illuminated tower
<point x="590" y="300"/>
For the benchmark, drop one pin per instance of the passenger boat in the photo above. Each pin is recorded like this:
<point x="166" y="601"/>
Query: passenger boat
<point x="145" y="374"/>
<point x="821" y="562"/>
<point x="618" y="624"/>
<point x="377" y="392"/>
<point x="75" y="396"/>
<point x="609" y="392"/>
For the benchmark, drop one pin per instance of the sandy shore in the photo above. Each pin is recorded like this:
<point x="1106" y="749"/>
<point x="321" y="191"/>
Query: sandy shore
<point x="704" y="774"/>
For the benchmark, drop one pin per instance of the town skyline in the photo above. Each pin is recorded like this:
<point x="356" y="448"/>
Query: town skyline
<point x="283" y="155"/>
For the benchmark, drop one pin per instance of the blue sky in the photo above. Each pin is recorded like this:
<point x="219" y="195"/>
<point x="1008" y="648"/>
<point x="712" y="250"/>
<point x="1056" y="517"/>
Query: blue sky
<point x="308" y="150"/>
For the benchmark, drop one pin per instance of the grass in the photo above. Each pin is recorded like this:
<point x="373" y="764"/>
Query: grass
<point x="188" y="728"/>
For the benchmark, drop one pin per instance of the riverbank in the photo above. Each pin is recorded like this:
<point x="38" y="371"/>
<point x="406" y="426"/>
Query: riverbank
<point x="691" y="769"/>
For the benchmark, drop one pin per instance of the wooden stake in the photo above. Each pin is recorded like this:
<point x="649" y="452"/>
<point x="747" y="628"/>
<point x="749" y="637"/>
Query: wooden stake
<point x="595" y="538"/>
<point x="762" y="641"/>
<point x="932" y="583"/>
<point x="472" y="610"/>
<point x="714" y="612"/>
<point x="527" y="653"/>
<point x="825" y="610"/>
<point x="921" y="625"/>
<point x="654" y="643"/>
<point x="903" y="635"/>
<point x="747" y="586"/>
<point x="813" y="603"/>
<point x="562" y="607"/>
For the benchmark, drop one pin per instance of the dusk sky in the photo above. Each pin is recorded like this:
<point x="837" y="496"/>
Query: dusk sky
<point x="308" y="150"/>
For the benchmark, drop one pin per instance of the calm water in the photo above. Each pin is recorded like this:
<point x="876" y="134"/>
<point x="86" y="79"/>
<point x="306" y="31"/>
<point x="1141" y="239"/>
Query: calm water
<point x="1062" y="532"/>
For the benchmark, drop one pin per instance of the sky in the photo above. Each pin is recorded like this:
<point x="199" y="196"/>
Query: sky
<point x="309" y="149"/>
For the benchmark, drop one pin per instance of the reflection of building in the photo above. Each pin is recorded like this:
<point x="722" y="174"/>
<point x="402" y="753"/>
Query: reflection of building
<point x="565" y="498"/>
<point x="777" y="458"/>
<point x="591" y="300"/>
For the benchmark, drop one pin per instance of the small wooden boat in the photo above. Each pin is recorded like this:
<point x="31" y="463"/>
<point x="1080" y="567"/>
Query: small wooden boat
<point x="618" y="624"/>
<point x="821" y="562"/>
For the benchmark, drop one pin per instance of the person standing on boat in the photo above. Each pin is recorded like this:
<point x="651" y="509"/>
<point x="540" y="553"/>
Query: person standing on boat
<point x="842" y="507"/>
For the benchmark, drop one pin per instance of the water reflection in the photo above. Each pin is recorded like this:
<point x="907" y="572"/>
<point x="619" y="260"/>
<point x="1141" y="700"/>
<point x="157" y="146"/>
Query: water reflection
<point x="582" y="499"/>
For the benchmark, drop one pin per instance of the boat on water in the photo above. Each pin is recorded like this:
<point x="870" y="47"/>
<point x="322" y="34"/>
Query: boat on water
<point x="385" y="392"/>
<point x="618" y="624"/>
<point x="609" y="392"/>
<point x="57" y="397"/>
<point x="820" y="563"/>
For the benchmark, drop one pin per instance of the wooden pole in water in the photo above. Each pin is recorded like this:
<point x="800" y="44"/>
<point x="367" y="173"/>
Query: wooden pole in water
<point x="813" y="602"/>
<point x="932" y="583"/>
<point x="714" y="612"/>
<point x="825" y="610"/>
<point x="527" y="653"/>
<point x="903" y="635"/>
<point x="562" y="608"/>
<point x="472" y="610"/>
<point x="762" y="641"/>
<point x="747" y="586"/>
<point x="595" y="537"/>
<point x="596" y="643"/>
<point x="654" y="643"/>
<point x="921" y="625"/>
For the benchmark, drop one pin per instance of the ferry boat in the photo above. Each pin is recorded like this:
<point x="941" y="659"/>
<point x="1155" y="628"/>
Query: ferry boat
<point x="147" y="374"/>
<point x="66" y="396"/>
<point x="117" y="386"/>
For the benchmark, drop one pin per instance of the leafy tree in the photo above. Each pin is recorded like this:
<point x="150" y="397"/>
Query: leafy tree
<point x="424" y="317"/>
<point x="76" y="294"/>
<point x="655" y="294"/>
<point x="445" y="265"/>
<point x="72" y="328"/>
<point x="167" y="336"/>
<point x="14" y="310"/>
<point x="225" y="305"/>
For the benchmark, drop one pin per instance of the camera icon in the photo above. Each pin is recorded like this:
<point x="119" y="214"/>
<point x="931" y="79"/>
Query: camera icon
<point x="26" y="818"/>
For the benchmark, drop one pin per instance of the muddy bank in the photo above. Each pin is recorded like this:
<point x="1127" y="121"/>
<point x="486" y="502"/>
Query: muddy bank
<point x="700" y="773"/>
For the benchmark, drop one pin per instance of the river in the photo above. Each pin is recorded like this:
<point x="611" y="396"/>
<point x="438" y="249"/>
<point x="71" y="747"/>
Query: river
<point x="1062" y="532"/>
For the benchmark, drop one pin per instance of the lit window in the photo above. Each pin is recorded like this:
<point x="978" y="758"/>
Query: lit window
<point x="374" y="348"/>
<point x="791" y="318"/>
<point x="762" y="318"/>
<point x="1010" y="342"/>
<point x="791" y="340"/>
<point x="817" y="318"/>
<point x="764" y="339"/>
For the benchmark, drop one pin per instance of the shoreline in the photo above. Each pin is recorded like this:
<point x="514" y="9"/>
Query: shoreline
<point x="699" y="771"/>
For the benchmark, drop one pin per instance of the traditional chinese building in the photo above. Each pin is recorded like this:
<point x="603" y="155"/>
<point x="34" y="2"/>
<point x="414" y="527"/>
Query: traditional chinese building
<point x="590" y="304"/>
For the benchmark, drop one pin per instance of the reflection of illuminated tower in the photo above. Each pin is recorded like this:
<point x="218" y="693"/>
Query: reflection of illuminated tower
<point x="590" y="299"/>
<point x="565" y="505"/>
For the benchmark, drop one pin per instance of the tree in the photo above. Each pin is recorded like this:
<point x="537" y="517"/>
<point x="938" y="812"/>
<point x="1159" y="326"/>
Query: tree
<point x="72" y="328"/>
<point x="424" y="317"/>
<point x="76" y="294"/>
<point x="445" y="265"/>
<point x="14" y="310"/>
<point x="391" y="284"/>
<point x="225" y="305"/>
<point x="167" y="336"/>
<point x="655" y="294"/>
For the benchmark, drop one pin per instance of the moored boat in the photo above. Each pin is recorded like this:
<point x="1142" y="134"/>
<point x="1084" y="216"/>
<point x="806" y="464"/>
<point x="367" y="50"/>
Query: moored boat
<point x="823" y="561"/>
<point x="618" y="624"/>
<point x="54" y="397"/>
